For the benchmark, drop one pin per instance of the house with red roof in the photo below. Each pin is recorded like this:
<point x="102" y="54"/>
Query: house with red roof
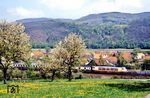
<point x="127" y="56"/>
<point x="147" y="57"/>
<point x="37" y="54"/>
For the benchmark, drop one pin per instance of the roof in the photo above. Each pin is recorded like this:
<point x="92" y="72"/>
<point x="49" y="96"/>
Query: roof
<point x="112" y="59"/>
<point x="127" y="56"/>
<point x="147" y="57"/>
<point x="140" y="54"/>
<point x="88" y="56"/>
<point x="83" y="61"/>
<point x="37" y="53"/>
<point x="97" y="54"/>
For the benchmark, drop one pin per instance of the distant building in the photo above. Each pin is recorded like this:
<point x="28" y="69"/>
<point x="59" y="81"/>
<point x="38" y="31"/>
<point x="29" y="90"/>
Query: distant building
<point x="37" y="54"/>
<point x="97" y="54"/>
<point x="112" y="60"/>
<point x="140" y="56"/>
<point x="127" y="56"/>
<point x="147" y="57"/>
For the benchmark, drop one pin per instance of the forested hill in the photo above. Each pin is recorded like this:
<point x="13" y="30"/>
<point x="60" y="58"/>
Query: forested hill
<point x="105" y="30"/>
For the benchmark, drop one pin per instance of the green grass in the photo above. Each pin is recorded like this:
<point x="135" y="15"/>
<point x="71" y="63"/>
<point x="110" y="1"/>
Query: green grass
<point x="85" y="88"/>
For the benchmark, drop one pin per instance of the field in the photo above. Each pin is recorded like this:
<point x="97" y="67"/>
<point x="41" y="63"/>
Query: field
<point x="85" y="88"/>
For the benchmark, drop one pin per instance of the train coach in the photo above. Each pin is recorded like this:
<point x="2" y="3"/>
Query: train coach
<point x="103" y="69"/>
<point x="109" y="69"/>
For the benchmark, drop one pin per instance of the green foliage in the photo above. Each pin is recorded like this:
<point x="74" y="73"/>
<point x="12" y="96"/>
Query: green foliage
<point x="60" y="75"/>
<point x="45" y="67"/>
<point x="146" y="65"/>
<point x="101" y="60"/>
<point x="93" y="63"/>
<point x="120" y="60"/>
<point x="146" y="52"/>
<point x="39" y="45"/>
<point x="32" y="74"/>
<point x="16" y="73"/>
<point x="134" y="53"/>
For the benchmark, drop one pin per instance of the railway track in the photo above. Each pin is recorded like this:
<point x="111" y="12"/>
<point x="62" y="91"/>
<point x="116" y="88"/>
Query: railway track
<point x="120" y="75"/>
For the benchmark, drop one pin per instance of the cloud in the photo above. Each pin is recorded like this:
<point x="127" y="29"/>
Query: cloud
<point x="63" y="4"/>
<point x="63" y="8"/>
<point x="78" y="8"/>
<point x="100" y="6"/>
<point x="25" y="13"/>
<point x="128" y="4"/>
<point x="72" y="8"/>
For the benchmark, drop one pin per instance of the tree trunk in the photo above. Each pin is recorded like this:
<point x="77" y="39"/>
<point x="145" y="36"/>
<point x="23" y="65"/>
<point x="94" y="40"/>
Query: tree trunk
<point x="53" y="74"/>
<point x="69" y="73"/>
<point x="5" y="75"/>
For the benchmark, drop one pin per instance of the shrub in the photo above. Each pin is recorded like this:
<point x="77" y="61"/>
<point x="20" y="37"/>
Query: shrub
<point x="16" y="73"/>
<point x="32" y="74"/>
<point x="78" y="75"/>
<point x="48" y="75"/>
<point x="61" y="75"/>
<point x="146" y="65"/>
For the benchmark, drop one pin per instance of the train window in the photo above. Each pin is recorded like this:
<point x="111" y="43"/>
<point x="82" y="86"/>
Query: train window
<point x="112" y="68"/>
<point x="99" y="68"/>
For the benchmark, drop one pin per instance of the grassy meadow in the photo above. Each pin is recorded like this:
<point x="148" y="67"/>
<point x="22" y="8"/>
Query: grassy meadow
<point x="84" y="88"/>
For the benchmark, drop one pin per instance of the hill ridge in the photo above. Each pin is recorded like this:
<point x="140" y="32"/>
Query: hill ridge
<point x="102" y="30"/>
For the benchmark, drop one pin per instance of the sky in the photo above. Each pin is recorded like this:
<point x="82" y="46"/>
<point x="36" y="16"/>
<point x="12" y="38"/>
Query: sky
<point x="72" y="9"/>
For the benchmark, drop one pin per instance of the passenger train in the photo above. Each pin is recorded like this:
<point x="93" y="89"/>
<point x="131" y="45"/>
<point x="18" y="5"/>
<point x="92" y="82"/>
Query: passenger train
<point x="85" y="68"/>
<point x="107" y="69"/>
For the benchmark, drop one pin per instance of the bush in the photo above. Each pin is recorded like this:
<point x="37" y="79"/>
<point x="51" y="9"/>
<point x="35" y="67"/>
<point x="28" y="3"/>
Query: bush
<point x="16" y="73"/>
<point x="9" y="73"/>
<point x="77" y="75"/>
<point x="48" y="75"/>
<point x="61" y="75"/>
<point x="146" y="65"/>
<point x="33" y="74"/>
<point x="24" y="74"/>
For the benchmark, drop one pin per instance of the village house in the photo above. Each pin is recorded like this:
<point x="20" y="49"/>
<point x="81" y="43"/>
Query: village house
<point x="127" y="56"/>
<point x="147" y="57"/>
<point x="97" y="54"/>
<point x="37" y="54"/>
<point x="112" y="60"/>
<point x="140" y="56"/>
